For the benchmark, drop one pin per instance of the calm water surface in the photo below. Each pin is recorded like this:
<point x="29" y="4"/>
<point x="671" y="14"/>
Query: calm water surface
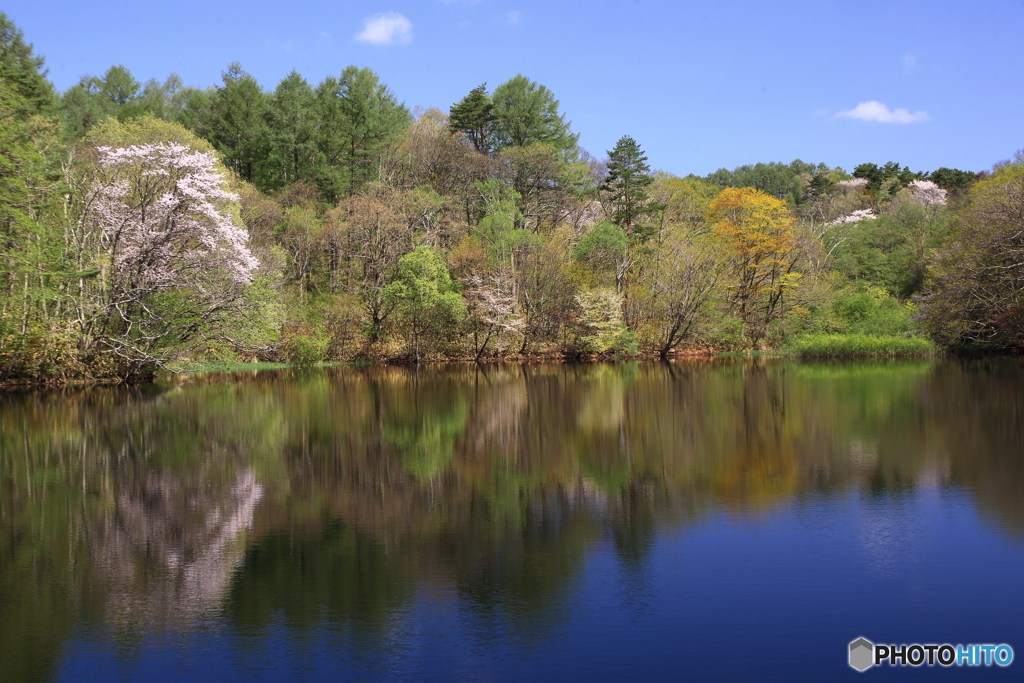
<point x="695" y="521"/>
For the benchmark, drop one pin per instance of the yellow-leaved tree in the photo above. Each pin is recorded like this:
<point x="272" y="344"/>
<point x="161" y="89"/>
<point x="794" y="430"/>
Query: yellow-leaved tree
<point x="760" y="244"/>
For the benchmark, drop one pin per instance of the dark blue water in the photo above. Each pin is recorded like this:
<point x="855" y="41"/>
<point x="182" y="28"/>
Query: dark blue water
<point x="718" y="522"/>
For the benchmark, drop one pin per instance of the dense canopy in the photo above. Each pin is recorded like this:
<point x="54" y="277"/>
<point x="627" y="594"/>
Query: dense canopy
<point x="149" y="225"/>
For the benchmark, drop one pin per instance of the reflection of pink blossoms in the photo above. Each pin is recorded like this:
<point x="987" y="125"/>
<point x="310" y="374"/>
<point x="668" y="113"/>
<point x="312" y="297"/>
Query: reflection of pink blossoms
<point x="160" y="222"/>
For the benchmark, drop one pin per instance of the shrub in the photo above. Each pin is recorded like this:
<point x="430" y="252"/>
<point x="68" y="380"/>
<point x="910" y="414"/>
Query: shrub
<point x="306" y="349"/>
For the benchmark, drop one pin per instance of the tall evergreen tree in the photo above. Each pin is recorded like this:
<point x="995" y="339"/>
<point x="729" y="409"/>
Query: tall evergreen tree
<point x="357" y="115"/>
<point x="22" y="69"/>
<point x="474" y="116"/>
<point x="239" y="130"/>
<point x="625" y="182"/>
<point x="293" y="129"/>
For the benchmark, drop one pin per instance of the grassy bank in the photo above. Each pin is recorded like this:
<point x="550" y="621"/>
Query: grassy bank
<point x="859" y="346"/>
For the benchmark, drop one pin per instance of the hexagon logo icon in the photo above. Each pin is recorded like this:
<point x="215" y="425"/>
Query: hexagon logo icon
<point x="862" y="654"/>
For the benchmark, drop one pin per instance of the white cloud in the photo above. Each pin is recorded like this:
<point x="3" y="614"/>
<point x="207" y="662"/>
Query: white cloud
<point x="909" y="63"/>
<point x="390" y="28"/>
<point x="513" y="18"/>
<point x="877" y="112"/>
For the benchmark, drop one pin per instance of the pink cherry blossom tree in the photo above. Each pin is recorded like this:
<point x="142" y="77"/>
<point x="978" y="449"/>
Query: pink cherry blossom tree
<point x="174" y="263"/>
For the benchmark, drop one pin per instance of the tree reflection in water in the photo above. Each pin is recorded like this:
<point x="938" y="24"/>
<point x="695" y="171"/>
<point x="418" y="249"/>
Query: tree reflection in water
<point x="341" y="496"/>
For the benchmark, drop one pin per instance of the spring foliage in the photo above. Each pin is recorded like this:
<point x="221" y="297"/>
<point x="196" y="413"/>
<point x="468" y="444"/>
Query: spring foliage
<point x="145" y="224"/>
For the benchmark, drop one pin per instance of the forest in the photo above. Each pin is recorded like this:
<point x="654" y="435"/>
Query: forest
<point x="155" y="226"/>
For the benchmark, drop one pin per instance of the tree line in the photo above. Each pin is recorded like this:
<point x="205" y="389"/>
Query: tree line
<point x="148" y="225"/>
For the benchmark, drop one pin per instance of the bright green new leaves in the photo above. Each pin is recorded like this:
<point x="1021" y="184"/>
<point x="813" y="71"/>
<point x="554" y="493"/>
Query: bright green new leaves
<point x="757" y="230"/>
<point x="425" y="295"/>
<point x="605" y="248"/>
<point x="604" y="332"/>
<point x="525" y="113"/>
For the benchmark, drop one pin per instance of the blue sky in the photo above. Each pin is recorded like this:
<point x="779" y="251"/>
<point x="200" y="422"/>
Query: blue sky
<point x="699" y="85"/>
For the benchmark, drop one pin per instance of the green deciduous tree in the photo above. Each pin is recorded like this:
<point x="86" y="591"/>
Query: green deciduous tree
<point x="425" y="295"/>
<point x="757" y="230"/>
<point x="685" y="203"/>
<point x="976" y="293"/>
<point x="785" y="181"/>
<point x="605" y="249"/>
<point x="525" y="113"/>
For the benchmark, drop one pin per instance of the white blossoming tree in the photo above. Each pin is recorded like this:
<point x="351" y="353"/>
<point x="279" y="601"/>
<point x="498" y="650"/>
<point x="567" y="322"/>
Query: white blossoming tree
<point x="172" y="261"/>
<point x="927" y="193"/>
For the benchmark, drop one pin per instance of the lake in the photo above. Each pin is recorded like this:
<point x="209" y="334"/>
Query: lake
<point x="701" y="520"/>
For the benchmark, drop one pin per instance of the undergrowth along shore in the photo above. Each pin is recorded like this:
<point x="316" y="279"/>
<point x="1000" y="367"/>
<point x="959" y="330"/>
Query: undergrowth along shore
<point x="859" y="346"/>
<point x="811" y="346"/>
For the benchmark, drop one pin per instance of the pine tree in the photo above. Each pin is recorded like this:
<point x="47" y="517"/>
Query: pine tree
<point x="474" y="116"/>
<point x="627" y="177"/>
<point x="21" y="69"/>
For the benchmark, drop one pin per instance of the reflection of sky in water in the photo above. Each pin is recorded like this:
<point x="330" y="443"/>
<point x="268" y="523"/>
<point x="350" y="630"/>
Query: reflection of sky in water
<point x="572" y="523"/>
<point x="819" y="571"/>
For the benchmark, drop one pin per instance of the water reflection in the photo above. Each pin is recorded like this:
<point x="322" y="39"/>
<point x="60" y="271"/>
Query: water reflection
<point x="342" y="496"/>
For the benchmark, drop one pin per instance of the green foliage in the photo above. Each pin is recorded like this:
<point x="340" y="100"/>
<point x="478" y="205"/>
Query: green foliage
<point x="161" y="100"/>
<point x="872" y="312"/>
<point x="603" y="331"/>
<point x="144" y="130"/>
<point x="602" y="247"/>
<point x="293" y="124"/>
<point x="878" y="175"/>
<point x="525" y="113"/>
<point x="115" y="94"/>
<point x="867" y="311"/>
<point x="892" y="251"/>
<point x="626" y="183"/>
<point x="684" y="202"/>
<point x="239" y="127"/>
<point x="22" y="166"/>
<point x="605" y="241"/>
<point x="473" y="116"/>
<point x="306" y="349"/>
<point x="357" y="116"/>
<point x="22" y="70"/>
<point x="953" y="180"/>
<point x="977" y="280"/>
<point x="425" y="295"/>
<point x="859" y="346"/>
<point x="784" y="181"/>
